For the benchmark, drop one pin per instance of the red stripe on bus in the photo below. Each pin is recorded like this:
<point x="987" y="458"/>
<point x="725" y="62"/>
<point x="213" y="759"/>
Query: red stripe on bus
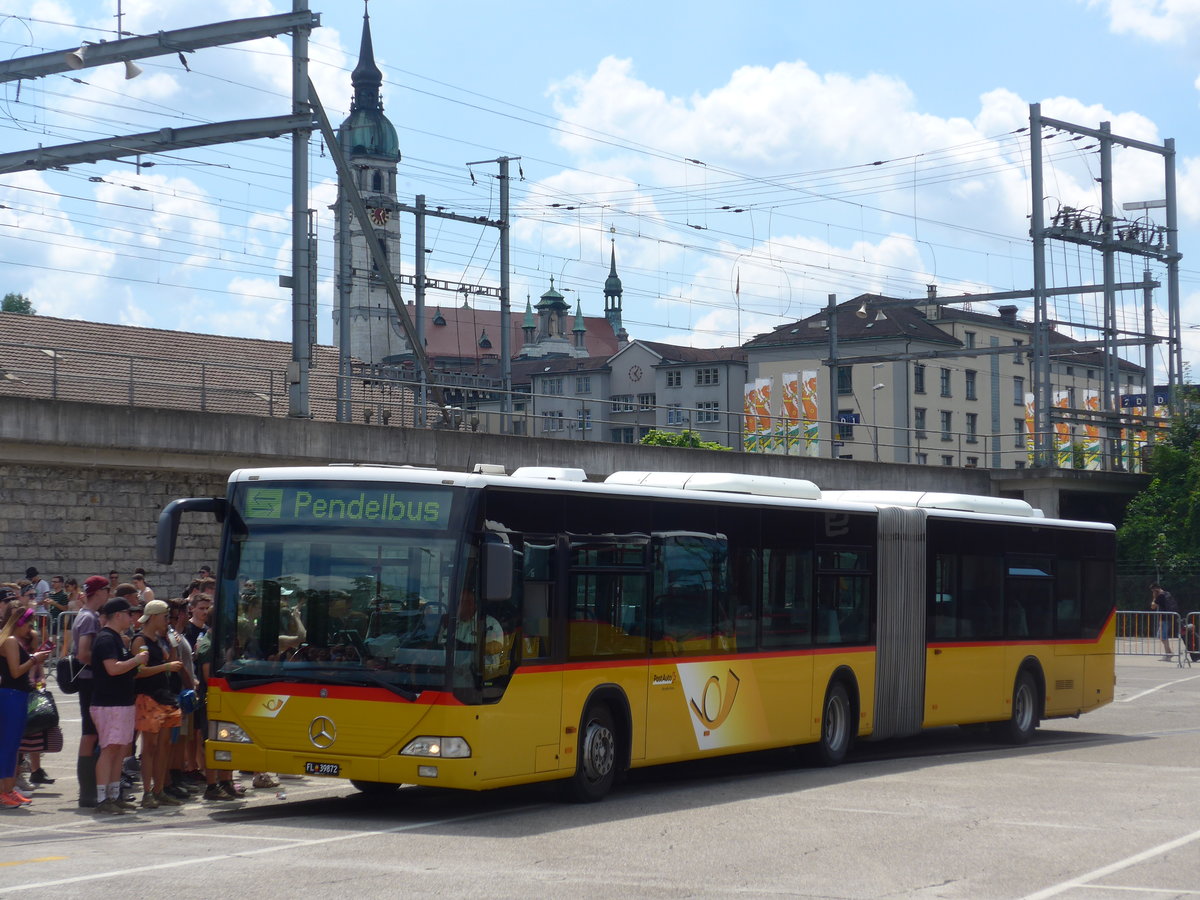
<point x="339" y="692"/>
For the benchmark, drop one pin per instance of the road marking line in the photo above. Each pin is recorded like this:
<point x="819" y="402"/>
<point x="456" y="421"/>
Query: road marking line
<point x="1159" y="688"/>
<point x="198" y="860"/>
<point x="25" y="862"/>
<point x="1114" y="867"/>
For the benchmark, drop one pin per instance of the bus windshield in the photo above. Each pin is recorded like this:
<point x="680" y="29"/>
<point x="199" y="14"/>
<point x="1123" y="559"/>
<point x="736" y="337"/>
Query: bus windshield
<point x="339" y="583"/>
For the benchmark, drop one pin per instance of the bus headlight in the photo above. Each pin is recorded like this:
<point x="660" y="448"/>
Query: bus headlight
<point x="227" y="731"/>
<point x="443" y="747"/>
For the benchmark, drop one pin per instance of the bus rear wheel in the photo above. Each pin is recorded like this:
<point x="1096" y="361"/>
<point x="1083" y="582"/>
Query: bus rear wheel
<point x="596" y="755"/>
<point x="1024" y="719"/>
<point x="836" y="727"/>
<point x="375" y="788"/>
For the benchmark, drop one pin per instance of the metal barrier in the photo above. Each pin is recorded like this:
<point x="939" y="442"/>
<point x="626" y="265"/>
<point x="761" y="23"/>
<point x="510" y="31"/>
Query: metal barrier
<point x="61" y="633"/>
<point x="1164" y="634"/>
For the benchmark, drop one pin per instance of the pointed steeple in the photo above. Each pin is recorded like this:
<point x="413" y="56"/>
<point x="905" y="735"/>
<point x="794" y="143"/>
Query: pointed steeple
<point x="612" y="294"/>
<point x="366" y="77"/>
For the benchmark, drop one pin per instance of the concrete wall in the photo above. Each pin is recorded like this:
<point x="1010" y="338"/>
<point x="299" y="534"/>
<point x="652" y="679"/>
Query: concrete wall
<point x="81" y="485"/>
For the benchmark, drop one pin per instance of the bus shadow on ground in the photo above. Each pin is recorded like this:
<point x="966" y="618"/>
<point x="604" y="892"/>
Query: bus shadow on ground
<point x="527" y="810"/>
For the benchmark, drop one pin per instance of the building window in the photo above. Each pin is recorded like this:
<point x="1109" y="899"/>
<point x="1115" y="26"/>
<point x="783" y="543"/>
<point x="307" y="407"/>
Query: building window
<point x="674" y="378"/>
<point x="708" y="412"/>
<point x="1019" y="464"/>
<point x="583" y="384"/>
<point x="919" y="421"/>
<point x="1070" y="370"/>
<point x="382" y="249"/>
<point x="674" y="414"/>
<point x="972" y="428"/>
<point x="552" y="421"/>
<point x="969" y="337"/>
<point x="971" y="379"/>
<point x="947" y="459"/>
<point x="552" y="385"/>
<point x="973" y="462"/>
<point x="918" y="379"/>
<point x="1019" y="434"/>
<point x="1091" y="374"/>
<point x="947" y="424"/>
<point x="845" y="379"/>
<point x="622" y="403"/>
<point x="922" y="459"/>
<point x="646" y="401"/>
<point x="376" y="181"/>
<point x="707" y="377"/>
<point x="944" y="382"/>
<point x="1018" y="390"/>
<point x="584" y="419"/>
<point x="622" y="435"/>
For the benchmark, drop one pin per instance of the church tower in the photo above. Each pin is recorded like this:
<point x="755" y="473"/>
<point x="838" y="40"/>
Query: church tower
<point x="372" y="150"/>
<point x="612" y="299"/>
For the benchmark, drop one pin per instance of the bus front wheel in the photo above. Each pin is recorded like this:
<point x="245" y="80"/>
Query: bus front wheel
<point x="1024" y="718"/>
<point x="836" y="727"/>
<point x="596" y="765"/>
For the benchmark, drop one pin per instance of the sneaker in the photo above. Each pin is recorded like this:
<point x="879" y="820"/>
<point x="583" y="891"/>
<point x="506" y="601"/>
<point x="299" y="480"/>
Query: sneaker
<point x="196" y="777"/>
<point x="178" y="792"/>
<point x="165" y="799"/>
<point x="21" y="798"/>
<point x="149" y="801"/>
<point x="230" y="789"/>
<point x="264" y="781"/>
<point x="108" y="808"/>
<point x="8" y="801"/>
<point x="40" y="777"/>
<point x="23" y="783"/>
<point x="125" y="803"/>
<point x="216" y="792"/>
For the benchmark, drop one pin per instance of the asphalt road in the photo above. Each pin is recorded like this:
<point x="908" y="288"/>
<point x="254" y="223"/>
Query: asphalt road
<point x="1104" y="806"/>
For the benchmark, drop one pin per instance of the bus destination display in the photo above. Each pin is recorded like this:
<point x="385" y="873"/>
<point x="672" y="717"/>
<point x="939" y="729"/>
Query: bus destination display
<point x="369" y="506"/>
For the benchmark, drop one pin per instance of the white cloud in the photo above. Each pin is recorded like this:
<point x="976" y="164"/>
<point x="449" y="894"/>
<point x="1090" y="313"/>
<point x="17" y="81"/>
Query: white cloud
<point x="1162" y="21"/>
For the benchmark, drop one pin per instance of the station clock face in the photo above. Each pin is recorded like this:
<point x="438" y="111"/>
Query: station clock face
<point x="379" y="215"/>
<point x="635" y="373"/>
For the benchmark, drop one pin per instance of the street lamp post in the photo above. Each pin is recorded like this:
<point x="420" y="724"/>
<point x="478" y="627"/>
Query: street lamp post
<point x="875" y="421"/>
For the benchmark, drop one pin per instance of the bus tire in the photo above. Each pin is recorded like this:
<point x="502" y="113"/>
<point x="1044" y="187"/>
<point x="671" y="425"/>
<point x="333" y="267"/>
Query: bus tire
<point x="837" y="731"/>
<point x="1024" y="719"/>
<point x="596" y="755"/>
<point x="375" y="788"/>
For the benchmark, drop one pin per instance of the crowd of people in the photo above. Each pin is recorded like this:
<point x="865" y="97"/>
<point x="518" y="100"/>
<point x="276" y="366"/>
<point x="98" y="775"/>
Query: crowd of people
<point x="140" y="671"/>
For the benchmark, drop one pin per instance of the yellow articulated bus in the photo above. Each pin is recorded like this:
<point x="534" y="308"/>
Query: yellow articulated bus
<point x="396" y="625"/>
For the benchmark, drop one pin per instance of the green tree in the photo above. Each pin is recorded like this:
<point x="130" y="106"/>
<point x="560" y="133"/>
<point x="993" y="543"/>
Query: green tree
<point x="1160" y="537"/>
<point x="688" y="438"/>
<point x="17" y="303"/>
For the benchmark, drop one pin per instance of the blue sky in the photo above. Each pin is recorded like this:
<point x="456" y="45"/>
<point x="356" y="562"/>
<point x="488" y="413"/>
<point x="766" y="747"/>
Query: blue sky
<point x="786" y="106"/>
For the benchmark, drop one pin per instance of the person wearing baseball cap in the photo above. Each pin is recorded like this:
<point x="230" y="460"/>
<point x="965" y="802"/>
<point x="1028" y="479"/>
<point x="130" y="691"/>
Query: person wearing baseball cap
<point x="114" y="669"/>
<point x="83" y="633"/>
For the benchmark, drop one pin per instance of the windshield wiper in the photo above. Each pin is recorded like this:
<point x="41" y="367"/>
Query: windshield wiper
<point x="363" y="677"/>
<point x="240" y="682"/>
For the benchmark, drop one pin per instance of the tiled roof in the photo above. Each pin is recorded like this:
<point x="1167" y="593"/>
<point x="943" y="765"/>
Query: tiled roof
<point x="128" y="365"/>
<point x="458" y="338"/>
<point x="674" y="353"/>
<point x="880" y="323"/>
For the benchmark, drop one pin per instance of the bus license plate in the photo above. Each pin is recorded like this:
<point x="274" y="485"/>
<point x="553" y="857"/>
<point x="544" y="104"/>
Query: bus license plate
<point x="316" y="768"/>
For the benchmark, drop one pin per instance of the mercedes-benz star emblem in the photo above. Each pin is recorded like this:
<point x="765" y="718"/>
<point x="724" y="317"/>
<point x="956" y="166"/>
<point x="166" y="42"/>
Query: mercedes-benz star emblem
<point x="322" y="732"/>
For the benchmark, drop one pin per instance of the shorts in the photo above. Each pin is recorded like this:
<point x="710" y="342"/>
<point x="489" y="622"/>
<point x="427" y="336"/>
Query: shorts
<point x="152" y="717"/>
<point x="1166" y="627"/>
<point x="85" y="705"/>
<point x="114" y="724"/>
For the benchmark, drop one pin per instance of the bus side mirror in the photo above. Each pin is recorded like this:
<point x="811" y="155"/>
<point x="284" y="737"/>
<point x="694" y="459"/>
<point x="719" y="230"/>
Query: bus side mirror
<point x="497" y="570"/>
<point x="168" y="522"/>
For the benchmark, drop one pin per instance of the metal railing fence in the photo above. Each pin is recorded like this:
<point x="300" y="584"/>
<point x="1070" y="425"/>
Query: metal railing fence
<point x="1168" y="635"/>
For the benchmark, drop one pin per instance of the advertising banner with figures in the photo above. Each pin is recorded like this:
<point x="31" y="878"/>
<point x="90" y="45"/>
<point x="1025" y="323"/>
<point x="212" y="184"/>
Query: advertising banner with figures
<point x="1062" y="432"/>
<point x="1091" y="445"/>
<point x="757" y="409"/>
<point x="789" y="422"/>
<point x="1030" y="441"/>
<point x="808" y="405"/>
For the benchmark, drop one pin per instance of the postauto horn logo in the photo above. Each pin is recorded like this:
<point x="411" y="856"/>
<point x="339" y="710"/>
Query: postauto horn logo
<point x="264" y="503"/>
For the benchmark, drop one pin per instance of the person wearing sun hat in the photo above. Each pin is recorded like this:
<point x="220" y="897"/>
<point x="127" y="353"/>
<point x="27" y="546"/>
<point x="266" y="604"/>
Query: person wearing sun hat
<point x="156" y="711"/>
